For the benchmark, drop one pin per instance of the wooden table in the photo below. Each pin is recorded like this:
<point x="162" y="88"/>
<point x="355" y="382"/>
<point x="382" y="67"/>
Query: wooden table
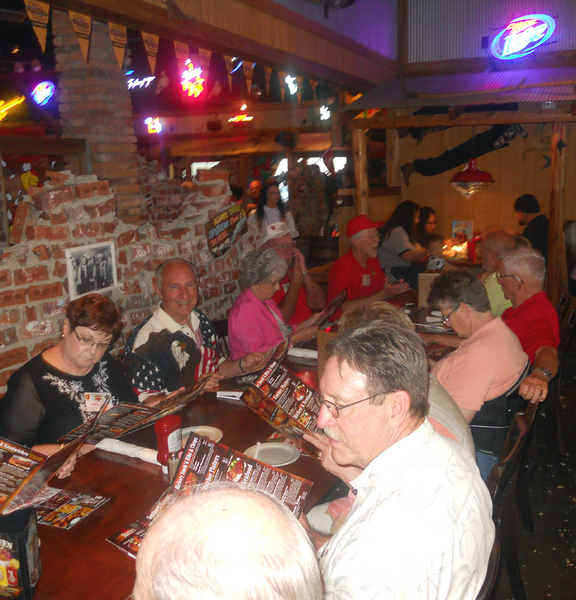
<point x="80" y="563"/>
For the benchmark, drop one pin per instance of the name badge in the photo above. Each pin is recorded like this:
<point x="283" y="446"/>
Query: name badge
<point x="95" y="400"/>
<point x="366" y="280"/>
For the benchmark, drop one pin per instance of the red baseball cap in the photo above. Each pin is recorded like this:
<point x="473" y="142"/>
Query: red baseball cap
<point x="359" y="223"/>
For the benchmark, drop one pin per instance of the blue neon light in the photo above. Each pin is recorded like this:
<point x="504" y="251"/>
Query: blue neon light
<point x="240" y="63"/>
<point x="523" y="38"/>
<point x="43" y="92"/>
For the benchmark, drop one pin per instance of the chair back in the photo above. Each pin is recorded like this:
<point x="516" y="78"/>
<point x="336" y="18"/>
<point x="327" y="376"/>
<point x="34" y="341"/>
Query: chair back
<point x="563" y="306"/>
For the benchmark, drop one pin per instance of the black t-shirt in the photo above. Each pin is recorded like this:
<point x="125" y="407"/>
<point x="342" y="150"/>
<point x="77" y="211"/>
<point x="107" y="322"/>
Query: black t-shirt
<point x="42" y="403"/>
<point x="536" y="232"/>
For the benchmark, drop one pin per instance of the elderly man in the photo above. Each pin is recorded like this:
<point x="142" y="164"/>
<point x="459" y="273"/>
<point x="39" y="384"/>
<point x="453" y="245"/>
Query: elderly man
<point x="359" y="271"/>
<point x="299" y="293"/>
<point x="227" y="543"/>
<point x="421" y="524"/>
<point x="528" y="213"/>
<point x="494" y="245"/>
<point x="532" y="317"/>
<point x="176" y="344"/>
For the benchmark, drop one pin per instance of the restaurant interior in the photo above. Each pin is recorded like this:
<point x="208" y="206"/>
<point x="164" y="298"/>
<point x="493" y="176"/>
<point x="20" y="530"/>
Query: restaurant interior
<point x="130" y="133"/>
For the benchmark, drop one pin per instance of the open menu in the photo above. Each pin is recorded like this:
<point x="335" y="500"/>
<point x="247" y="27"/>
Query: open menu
<point x="287" y="403"/>
<point x="204" y="462"/>
<point x="24" y="472"/>
<point x="127" y="418"/>
<point x="64" y="509"/>
<point x="331" y="308"/>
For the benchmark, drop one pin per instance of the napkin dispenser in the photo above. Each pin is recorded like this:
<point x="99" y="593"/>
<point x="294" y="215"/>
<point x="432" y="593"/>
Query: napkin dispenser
<point x="424" y="284"/>
<point x="19" y="554"/>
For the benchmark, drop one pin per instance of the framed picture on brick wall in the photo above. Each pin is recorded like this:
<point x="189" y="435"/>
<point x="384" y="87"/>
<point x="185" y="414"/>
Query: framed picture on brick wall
<point x="91" y="269"/>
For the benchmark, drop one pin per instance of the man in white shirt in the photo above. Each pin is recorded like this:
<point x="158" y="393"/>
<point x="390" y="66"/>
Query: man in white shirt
<point x="421" y="524"/>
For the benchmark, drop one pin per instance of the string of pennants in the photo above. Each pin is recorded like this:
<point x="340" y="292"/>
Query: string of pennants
<point x="39" y="13"/>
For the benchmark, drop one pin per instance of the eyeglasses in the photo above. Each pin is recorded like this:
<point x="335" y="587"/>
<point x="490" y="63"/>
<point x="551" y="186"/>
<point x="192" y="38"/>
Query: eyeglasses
<point x="283" y="246"/>
<point x="91" y="343"/>
<point x="500" y="276"/>
<point x="445" y="319"/>
<point x="372" y="236"/>
<point x="334" y="410"/>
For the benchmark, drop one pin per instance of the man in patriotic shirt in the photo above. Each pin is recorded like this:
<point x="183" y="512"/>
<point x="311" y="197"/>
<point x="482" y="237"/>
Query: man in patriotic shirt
<point x="176" y="344"/>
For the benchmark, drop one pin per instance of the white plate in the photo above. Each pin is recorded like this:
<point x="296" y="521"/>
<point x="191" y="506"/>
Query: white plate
<point x="303" y="353"/>
<point x="213" y="434"/>
<point x="274" y="454"/>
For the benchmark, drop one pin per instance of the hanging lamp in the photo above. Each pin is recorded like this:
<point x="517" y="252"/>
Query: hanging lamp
<point x="471" y="179"/>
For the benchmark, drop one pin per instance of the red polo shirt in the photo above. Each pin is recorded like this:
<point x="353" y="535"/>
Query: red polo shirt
<point x="302" y="311"/>
<point x="535" y="322"/>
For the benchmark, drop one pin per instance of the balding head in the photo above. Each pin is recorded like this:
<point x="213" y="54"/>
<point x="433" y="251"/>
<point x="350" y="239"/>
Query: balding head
<point x="494" y="245"/>
<point x="524" y="272"/>
<point x="228" y="544"/>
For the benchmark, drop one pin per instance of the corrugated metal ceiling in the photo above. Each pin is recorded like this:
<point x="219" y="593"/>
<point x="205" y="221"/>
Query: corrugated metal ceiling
<point x="389" y="93"/>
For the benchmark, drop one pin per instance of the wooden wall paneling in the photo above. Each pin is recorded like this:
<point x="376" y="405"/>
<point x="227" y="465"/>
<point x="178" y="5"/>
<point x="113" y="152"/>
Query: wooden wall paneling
<point x="360" y="156"/>
<point x="393" y="164"/>
<point x="345" y="213"/>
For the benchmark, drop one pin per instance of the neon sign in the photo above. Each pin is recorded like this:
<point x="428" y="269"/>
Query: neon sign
<point x="43" y="92"/>
<point x="522" y="36"/>
<point x="291" y="83"/>
<point x="192" y="82"/>
<point x="154" y="125"/>
<point x="6" y="106"/>
<point x="140" y="83"/>
<point x="240" y="119"/>
<point x="324" y="113"/>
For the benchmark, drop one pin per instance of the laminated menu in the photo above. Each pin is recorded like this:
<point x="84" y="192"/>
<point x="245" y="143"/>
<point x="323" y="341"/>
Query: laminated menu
<point x="64" y="509"/>
<point x="331" y="308"/>
<point x="287" y="403"/>
<point x="127" y="418"/>
<point x="204" y="462"/>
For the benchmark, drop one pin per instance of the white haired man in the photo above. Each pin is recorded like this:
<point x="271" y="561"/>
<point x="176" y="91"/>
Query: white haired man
<point x="421" y="523"/>
<point x="532" y="318"/>
<point x="227" y="544"/>
<point x="299" y="294"/>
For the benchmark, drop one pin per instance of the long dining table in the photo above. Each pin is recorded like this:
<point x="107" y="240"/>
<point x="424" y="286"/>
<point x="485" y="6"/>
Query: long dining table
<point x="79" y="563"/>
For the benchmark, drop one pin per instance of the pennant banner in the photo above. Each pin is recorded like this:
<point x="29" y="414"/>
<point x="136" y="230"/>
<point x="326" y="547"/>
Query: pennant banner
<point x="182" y="55"/>
<point x="151" y="46"/>
<point x="39" y="12"/>
<point x="82" y="26"/>
<point x="119" y="39"/>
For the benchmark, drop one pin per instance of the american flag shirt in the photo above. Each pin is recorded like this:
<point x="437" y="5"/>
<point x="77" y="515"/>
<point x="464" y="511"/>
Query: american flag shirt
<point x="161" y="355"/>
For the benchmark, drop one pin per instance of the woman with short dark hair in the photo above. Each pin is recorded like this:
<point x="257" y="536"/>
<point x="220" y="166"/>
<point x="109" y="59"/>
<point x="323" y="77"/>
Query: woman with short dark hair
<point x="62" y="387"/>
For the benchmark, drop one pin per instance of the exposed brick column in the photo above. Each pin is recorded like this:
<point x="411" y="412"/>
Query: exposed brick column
<point x="95" y="105"/>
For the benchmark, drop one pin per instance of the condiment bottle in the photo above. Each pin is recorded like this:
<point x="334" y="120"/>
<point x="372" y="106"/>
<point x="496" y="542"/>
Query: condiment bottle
<point x="169" y="436"/>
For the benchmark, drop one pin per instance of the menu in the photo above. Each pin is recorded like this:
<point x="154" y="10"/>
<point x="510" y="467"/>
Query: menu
<point x="332" y="307"/>
<point x="204" y="462"/>
<point x="64" y="508"/>
<point x="287" y="403"/>
<point x="127" y="418"/>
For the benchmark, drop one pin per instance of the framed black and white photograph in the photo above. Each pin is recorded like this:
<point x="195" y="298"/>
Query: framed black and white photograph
<point x="91" y="269"/>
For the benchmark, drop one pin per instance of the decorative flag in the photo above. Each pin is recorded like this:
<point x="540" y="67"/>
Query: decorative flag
<point x="119" y="40"/>
<point x="151" y="45"/>
<point x="39" y="12"/>
<point x="82" y="26"/>
<point x="182" y="55"/>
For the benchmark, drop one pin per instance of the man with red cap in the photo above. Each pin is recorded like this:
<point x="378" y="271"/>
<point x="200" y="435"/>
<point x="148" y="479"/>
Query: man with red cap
<point x="359" y="271"/>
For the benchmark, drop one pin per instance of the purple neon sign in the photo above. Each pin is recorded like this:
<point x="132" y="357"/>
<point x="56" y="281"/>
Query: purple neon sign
<point x="522" y="36"/>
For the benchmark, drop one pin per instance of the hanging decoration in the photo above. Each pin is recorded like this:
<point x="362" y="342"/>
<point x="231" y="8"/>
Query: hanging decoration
<point x="119" y="38"/>
<point x="151" y="46"/>
<point x="471" y="179"/>
<point x="182" y="55"/>
<point x="192" y="80"/>
<point x="39" y="13"/>
<point x="82" y="26"/>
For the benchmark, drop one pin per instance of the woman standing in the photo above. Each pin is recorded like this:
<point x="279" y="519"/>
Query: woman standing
<point x="271" y="209"/>
<point x="398" y="249"/>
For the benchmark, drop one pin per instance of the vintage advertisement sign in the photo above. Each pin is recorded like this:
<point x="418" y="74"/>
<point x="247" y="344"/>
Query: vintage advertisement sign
<point x="82" y="26"/>
<point x="222" y="230"/>
<point x="151" y="46"/>
<point x="119" y="39"/>
<point x="39" y="13"/>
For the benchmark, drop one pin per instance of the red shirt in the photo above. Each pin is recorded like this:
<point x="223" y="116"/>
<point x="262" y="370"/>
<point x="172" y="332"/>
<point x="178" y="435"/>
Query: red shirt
<point x="347" y="273"/>
<point x="535" y="322"/>
<point x="302" y="311"/>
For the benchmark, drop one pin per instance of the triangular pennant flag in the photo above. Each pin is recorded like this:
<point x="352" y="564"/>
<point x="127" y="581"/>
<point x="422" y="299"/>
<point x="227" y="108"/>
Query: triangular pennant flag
<point x="82" y="26"/>
<point x="39" y="13"/>
<point x="151" y="46"/>
<point x="182" y="55"/>
<point x="119" y="39"/>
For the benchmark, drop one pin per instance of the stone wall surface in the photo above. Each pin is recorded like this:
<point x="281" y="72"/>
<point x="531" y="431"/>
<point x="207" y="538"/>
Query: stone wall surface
<point x="78" y="211"/>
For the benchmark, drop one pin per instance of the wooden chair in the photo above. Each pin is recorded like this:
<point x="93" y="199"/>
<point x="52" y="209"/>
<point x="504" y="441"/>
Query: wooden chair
<point x="503" y="486"/>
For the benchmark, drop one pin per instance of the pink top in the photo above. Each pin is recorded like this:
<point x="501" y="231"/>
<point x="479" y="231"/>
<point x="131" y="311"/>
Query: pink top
<point x="483" y="367"/>
<point x="251" y="325"/>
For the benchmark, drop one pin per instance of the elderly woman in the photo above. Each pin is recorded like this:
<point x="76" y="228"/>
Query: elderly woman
<point x="255" y="322"/>
<point x="62" y="387"/>
<point x="488" y="360"/>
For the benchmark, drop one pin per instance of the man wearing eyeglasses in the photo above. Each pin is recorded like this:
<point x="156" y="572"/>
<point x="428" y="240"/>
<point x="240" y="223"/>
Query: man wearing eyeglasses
<point x="421" y="522"/>
<point x="532" y="318"/>
<point x="494" y="245"/>
<point x="299" y="294"/>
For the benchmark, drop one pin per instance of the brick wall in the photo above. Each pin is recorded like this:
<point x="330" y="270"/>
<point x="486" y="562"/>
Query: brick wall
<point x="80" y="211"/>
<point x="95" y="105"/>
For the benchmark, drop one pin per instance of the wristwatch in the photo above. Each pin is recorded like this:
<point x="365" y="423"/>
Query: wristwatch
<point x="546" y="372"/>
